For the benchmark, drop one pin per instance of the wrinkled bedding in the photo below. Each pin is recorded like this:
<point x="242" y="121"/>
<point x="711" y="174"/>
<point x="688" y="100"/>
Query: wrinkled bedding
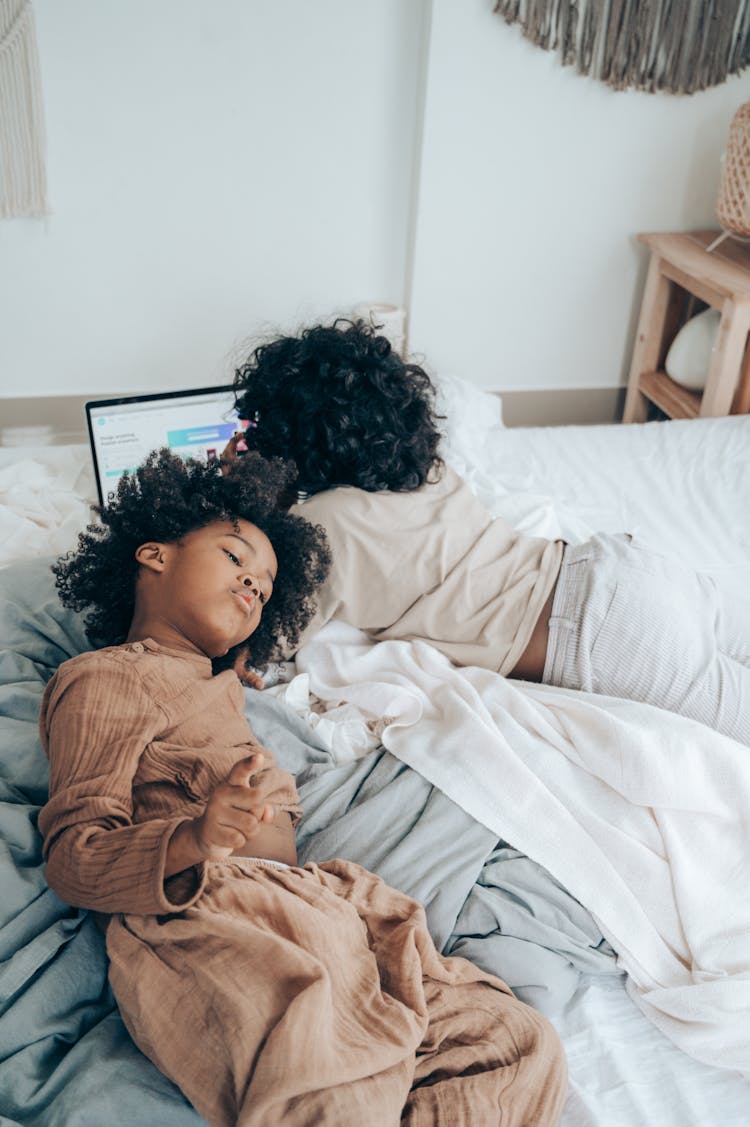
<point x="643" y="814"/>
<point x="44" y="500"/>
<point x="484" y="900"/>
<point x="65" y="1058"/>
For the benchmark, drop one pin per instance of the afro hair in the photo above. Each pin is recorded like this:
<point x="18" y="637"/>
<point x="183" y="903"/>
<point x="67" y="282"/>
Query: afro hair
<point x="168" y="497"/>
<point x="344" y="406"/>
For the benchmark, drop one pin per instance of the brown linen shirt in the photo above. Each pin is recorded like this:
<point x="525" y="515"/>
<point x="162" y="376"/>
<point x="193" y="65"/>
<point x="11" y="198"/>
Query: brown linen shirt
<point x="433" y="565"/>
<point x="137" y="737"/>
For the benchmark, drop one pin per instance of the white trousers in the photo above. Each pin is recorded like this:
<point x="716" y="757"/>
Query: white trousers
<point x="629" y="622"/>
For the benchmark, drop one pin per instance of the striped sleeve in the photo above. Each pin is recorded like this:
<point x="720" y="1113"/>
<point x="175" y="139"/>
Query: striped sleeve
<point x="96" y="721"/>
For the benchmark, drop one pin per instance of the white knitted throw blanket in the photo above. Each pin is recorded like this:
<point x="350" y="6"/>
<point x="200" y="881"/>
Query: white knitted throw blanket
<point x="644" y="816"/>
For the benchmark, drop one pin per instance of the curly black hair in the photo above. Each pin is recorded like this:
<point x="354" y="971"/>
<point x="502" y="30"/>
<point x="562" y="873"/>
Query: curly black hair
<point x="344" y="406"/>
<point x="168" y="497"/>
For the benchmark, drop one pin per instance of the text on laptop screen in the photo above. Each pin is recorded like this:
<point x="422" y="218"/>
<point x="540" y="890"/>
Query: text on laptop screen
<point x="123" y="432"/>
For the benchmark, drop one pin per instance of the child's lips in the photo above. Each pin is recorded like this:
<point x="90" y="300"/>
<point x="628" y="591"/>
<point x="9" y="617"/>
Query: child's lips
<point x="247" y="598"/>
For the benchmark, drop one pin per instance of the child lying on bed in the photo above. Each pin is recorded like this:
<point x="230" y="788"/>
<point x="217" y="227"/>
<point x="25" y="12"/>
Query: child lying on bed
<point x="416" y="556"/>
<point x="269" y="993"/>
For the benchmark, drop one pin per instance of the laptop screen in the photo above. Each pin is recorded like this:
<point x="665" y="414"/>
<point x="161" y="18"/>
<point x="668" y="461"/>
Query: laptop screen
<point x="197" y="423"/>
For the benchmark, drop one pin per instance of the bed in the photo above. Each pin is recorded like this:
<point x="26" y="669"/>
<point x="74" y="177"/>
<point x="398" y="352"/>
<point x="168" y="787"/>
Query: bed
<point x="371" y="794"/>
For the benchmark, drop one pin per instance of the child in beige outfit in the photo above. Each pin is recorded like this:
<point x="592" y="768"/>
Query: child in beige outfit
<point x="270" y="993"/>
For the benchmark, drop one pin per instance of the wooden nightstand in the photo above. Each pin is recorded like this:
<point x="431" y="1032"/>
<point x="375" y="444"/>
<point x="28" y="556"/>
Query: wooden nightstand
<point x="680" y="270"/>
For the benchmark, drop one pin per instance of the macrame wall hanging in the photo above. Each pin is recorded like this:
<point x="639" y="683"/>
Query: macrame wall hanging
<point x="23" y="179"/>
<point x="678" y="46"/>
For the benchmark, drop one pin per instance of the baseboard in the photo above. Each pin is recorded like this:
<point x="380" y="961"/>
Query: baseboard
<point x="563" y="406"/>
<point x="66" y="414"/>
<point x="555" y="407"/>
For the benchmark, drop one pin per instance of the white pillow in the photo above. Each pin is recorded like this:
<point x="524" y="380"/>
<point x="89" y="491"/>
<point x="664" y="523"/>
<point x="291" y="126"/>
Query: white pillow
<point x="468" y="409"/>
<point x="689" y="357"/>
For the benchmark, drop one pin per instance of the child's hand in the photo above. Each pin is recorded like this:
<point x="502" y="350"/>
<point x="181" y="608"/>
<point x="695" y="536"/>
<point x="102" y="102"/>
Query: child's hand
<point x="235" y="811"/>
<point x="252" y="679"/>
<point x="234" y="449"/>
<point x="246" y="674"/>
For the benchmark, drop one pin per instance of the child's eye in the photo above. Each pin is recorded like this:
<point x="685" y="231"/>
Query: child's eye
<point x="232" y="556"/>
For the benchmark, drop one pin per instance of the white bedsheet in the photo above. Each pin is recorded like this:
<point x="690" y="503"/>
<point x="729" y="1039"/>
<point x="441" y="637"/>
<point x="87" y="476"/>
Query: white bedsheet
<point x="683" y="486"/>
<point x="45" y="496"/>
<point x="623" y="1072"/>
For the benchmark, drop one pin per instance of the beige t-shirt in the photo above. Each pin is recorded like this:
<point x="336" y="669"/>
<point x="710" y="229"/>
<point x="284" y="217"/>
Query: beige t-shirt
<point x="432" y="565"/>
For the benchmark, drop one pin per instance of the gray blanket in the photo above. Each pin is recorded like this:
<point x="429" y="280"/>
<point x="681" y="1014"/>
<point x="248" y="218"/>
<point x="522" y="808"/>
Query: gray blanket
<point x="484" y="900"/>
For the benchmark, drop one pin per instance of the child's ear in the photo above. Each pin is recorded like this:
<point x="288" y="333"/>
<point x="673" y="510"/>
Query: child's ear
<point x="151" y="555"/>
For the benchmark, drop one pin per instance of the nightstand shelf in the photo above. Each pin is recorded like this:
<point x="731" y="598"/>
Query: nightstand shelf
<point x="674" y="400"/>
<point x="680" y="271"/>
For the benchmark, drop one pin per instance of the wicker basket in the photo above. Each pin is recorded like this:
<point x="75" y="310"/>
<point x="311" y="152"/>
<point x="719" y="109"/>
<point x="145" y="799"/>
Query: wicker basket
<point x="733" y="204"/>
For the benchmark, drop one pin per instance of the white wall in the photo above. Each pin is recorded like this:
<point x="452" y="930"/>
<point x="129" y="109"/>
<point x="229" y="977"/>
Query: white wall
<point x="241" y="166"/>
<point x="215" y="169"/>
<point x="533" y="182"/>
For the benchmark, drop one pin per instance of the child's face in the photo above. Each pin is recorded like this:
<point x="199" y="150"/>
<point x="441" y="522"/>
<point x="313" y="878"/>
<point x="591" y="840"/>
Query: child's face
<point x="215" y="583"/>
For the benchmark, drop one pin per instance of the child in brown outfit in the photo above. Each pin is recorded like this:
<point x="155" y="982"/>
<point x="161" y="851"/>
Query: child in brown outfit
<point x="270" y="993"/>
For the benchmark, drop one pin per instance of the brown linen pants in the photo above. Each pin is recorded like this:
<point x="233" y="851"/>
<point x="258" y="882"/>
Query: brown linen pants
<point x="315" y="995"/>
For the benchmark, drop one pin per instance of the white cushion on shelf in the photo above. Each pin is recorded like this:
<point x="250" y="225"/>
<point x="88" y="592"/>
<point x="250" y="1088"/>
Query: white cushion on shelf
<point x="689" y="357"/>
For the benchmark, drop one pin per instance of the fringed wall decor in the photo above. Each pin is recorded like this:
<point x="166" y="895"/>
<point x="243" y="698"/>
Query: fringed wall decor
<point x="678" y="46"/>
<point x="23" y="178"/>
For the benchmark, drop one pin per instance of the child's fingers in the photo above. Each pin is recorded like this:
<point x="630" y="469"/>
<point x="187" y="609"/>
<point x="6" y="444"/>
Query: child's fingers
<point x="246" y="822"/>
<point x="229" y="453"/>
<point x="232" y="452"/>
<point x="244" y="769"/>
<point x="245" y="800"/>
<point x="219" y="836"/>
<point x="252" y="679"/>
<point x="216" y="842"/>
<point x="251" y="822"/>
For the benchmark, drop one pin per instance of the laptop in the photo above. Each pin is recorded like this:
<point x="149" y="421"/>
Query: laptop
<point x="196" y="423"/>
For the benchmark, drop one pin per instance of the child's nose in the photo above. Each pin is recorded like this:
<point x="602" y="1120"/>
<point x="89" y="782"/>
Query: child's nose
<point x="251" y="582"/>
